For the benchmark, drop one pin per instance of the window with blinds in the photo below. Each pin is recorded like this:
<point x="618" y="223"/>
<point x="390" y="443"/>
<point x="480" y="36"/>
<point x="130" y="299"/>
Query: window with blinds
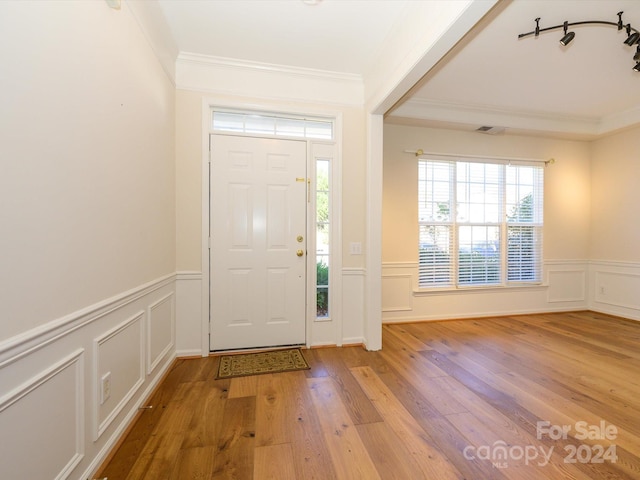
<point x="480" y="222"/>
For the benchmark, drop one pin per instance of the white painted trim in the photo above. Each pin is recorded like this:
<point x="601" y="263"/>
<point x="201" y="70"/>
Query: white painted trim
<point x="583" y="126"/>
<point x="478" y="290"/>
<point x="188" y="353"/>
<point x="189" y="276"/>
<point x="28" y="342"/>
<point x="581" y="262"/>
<point x="408" y="265"/>
<point x="463" y="316"/>
<point x="373" y="281"/>
<point x="207" y="105"/>
<point x="235" y="63"/>
<point x="233" y="77"/>
<point x="615" y="263"/>
<point x="100" y="427"/>
<point x="451" y="112"/>
<point x="354" y="272"/>
<point x="77" y="359"/>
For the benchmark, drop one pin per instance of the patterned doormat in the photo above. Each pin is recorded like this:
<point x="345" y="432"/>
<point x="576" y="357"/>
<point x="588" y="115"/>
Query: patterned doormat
<point x="274" y="361"/>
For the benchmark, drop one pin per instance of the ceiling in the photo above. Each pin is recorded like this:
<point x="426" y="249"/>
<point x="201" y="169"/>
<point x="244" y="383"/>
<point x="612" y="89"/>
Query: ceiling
<point x="332" y="35"/>
<point x="492" y="78"/>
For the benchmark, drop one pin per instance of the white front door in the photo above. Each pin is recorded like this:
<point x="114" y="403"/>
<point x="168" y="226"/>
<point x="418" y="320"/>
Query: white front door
<point x="258" y="205"/>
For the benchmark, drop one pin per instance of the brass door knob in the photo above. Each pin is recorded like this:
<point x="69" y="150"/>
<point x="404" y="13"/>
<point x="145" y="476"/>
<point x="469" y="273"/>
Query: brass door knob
<point x="299" y="253"/>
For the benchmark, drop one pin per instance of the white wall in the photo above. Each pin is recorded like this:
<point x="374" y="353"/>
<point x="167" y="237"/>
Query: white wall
<point x="566" y="231"/>
<point x="615" y="225"/>
<point x="87" y="178"/>
<point x="87" y="205"/>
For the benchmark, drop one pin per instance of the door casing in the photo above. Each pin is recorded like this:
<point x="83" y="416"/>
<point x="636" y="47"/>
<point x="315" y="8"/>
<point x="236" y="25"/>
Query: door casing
<point x="318" y="332"/>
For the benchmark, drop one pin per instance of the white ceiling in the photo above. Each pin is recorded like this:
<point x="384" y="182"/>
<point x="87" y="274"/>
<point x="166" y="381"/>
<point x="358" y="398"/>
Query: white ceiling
<point x="333" y="35"/>
<point x="530" y="85"/>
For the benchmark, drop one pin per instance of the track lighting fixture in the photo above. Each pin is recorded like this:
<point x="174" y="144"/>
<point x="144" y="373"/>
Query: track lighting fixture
<point x="567" y="36"/>
<point x="633" y="35"/>
<point x="633" y="38"/>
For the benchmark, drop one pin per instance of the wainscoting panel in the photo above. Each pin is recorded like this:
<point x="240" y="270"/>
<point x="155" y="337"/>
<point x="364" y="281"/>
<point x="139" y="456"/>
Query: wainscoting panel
<point x="563" y="288"/>
<point x="119" y="355"/>
<point x="161" y="330"/>
<point x="352" y="306"/>
<point x="567" y="286"/>
<point x="397" y="293"/>
<point x="56" y="422"/>
<point x="615" y="288"/>
<point x="42" y="422"/>
<point x="189" y="322"/>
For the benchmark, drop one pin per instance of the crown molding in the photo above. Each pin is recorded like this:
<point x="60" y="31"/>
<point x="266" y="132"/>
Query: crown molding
<point x="213" y="61"/>
<point x="515" y="120"/>
<point x="228" y="76"/>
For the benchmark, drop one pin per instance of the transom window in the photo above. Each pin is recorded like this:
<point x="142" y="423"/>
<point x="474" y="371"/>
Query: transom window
<point x="257" y="123"/>
<point x="480" y="222"/>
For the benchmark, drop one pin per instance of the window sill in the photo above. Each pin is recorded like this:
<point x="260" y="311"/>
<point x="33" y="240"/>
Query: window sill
<point x="427" y="292"/>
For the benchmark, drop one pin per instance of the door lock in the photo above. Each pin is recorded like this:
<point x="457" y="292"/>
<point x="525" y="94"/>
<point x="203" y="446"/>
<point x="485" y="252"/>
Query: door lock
<point x="299" y="238"/>
<point x="300" y="253"/>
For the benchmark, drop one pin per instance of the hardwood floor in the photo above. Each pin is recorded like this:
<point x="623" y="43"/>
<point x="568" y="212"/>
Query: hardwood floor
<point x="473" y="399"/>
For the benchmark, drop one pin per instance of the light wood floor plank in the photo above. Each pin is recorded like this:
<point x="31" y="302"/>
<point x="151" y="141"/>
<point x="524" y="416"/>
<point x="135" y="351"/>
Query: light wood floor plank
<point x="274" y="462"/>
<point x="234" y="457"/>
<point x="274" y="416"/>
<point x="194" y="464"/>
<point x="350" y="457"/>
<point x="408" y="411"/>
<point x="243" y="387"/>
<point x="430" y="460"/>
<point x="312" y="459"/>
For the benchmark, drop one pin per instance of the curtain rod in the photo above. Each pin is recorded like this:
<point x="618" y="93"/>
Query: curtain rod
<point x="419" y="152"/>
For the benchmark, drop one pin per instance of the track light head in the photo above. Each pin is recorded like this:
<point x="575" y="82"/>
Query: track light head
<point x="632" y="39"/>
<point x="566" y="40"/>
<point x="637" y="67"/>
<point x="636" y="57"/>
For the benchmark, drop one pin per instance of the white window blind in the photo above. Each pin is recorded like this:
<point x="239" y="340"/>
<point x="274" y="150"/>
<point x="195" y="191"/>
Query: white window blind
<point x="480" y="222"/>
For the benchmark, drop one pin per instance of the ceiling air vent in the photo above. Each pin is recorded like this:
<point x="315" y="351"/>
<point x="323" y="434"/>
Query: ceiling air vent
<point x="490" y="130"/>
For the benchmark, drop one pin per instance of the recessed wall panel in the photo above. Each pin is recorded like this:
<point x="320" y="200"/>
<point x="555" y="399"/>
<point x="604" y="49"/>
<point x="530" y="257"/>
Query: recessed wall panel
<point x="160" y="330"/>
<point x="397" y="293"/>
<point x="620" y="289"/>
<point x="567" y="286"/>
<point x="120" y="353"/>
<point x="43" y="423"/>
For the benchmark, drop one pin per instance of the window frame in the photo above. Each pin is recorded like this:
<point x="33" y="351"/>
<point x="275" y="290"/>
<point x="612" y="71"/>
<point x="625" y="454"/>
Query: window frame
<point x="505" y="225"/>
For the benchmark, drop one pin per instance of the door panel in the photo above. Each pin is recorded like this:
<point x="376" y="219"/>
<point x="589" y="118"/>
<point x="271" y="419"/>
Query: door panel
<point x="258" y="209"/>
